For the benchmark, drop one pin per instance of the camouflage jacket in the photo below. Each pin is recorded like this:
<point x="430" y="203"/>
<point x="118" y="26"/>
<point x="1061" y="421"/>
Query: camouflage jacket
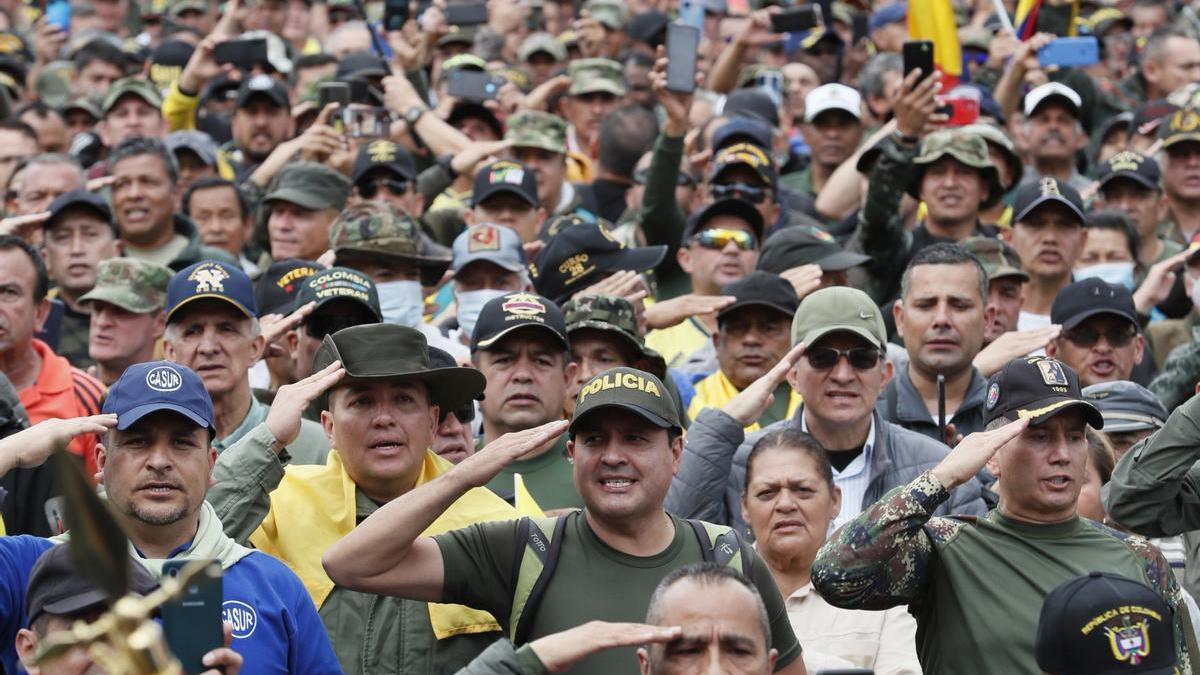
<point x="976" y="585"/>
<point x="1176" y="382"/>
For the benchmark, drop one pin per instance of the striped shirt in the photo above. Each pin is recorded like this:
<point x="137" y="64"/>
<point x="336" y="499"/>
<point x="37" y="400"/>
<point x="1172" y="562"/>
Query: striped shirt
<point x="853" y="480"/>
<point x="62" y="391"/>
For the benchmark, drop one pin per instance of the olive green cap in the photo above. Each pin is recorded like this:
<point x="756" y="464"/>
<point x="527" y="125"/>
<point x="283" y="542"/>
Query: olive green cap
<point x="542" y="42"/>
<point x="611" y="14"/>
<point x="838" y="309"/>
<point x="966" y="147"/>
<point x="381" y="231"/>
<point x="629" y="389"/>
<point x="998" y="258"/>
<point x="612" y="315"/>
<point x="592" y="75"/>
<point x="143" y="89"/>
<point x="534" y="129"/>
<point x="132" y="284"/>
<point x="994" y="135"/>
<point x="378" y="351"/>
<point x="311" y="186"/>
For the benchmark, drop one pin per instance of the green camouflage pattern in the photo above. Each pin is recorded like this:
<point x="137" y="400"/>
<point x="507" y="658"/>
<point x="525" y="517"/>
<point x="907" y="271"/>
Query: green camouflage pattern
<point x="998" y="257"/>
<point x="611" y="14"/>
<point x="613" y="315"/>
<point x="380" y="230"/>
<point x="589" y="76"/>
<point x="1176" y="382"/>
<point x="534" y="129"/>
<point x="73" y="339"/>
<point x="132" y="284"/>
<point x="136" y="86"/>
<point x="966" y="147"/>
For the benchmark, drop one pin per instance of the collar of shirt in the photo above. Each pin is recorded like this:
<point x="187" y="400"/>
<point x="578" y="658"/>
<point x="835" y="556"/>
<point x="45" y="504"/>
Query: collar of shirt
<point x="862" y="462"/>
<point x="257" y="413"/>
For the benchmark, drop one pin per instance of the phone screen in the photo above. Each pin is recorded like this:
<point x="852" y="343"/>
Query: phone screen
<point x="192" y="622"/>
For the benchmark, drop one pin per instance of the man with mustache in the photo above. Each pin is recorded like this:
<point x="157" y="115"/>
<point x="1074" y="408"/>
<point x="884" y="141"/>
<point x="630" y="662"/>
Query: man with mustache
<point x="1181" y="175"/>
<point x="1054" y="133"/>
<point x="1048" y="234"/>
<point x="1100" y="337"/>
<point x="752" y="336"/>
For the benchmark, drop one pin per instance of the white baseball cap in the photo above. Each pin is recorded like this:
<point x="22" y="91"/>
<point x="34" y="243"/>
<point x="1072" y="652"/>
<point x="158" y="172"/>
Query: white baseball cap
<point x="1052" y="90"/>
<point x="832" y="96"/>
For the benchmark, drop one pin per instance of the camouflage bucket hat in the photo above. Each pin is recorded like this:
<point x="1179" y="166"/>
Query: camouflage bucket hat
<point x="611" y="14"/>
<point x="999" y="259"/>
<point x="135" y="86"/>
<point x="129" y="283"/>
<point x="377" y="230"/>
<point x="532" y="129"/>
<point x="589" y="76"/>
<point x="969" y="149"/>
<point x="611" y="315"/>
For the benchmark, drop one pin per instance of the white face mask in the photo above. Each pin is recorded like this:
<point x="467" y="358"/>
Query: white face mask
<point x="1115" y="273"/>
<point x="401" y="302"/>
<point x="470" y="303"/>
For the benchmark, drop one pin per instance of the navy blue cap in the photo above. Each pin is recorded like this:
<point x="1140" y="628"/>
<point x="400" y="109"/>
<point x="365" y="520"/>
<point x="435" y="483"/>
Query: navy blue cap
<point x="741" y="129"/>
<point x="152" y="386"/>
<point x="887" y="15"/>
<point x="211" y="279"/>
<point x="78" y="199"/>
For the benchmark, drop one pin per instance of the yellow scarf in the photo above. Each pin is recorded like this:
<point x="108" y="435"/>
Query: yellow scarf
<point x="314" y="506"/>
<point x="716" y="390"/>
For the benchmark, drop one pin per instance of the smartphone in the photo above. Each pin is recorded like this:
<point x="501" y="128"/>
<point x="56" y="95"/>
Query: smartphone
<point x="192" y="621"/>
<point x="683" y="44"/>
<point x="366" y="121"/>
<point x="691" y="13"/>
<point x="58" y="13"/>
<point x="466" y="14"/>
<point x="1070" y="52"/>
<point x="395" y="14"/>
<point x="918" y="54"/>
<point x="473" y="85"/>
<point x="859" y="27"/>
<point x="241" y="53"/>
<point x="333" y="92"/>
<point x="796" y="20"/>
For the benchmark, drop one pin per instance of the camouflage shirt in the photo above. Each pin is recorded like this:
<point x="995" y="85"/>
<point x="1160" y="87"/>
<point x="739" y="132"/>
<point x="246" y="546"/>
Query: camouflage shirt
<point x="73" y="337"/>
<point x="976" y="586"/>
<point x="1180" y="373"/>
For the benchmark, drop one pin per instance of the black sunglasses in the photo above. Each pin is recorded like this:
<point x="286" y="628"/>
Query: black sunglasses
<point x="1088" y="337"/>
<point x="319" y="327"/>
<point x="825" y="358"/>
<point x="396" y="186"/>
<point x="750" y="193"/>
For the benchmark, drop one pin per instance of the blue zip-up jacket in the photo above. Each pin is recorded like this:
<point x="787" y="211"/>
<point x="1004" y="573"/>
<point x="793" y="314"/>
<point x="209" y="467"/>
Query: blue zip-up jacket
<point x="275" y="625"/>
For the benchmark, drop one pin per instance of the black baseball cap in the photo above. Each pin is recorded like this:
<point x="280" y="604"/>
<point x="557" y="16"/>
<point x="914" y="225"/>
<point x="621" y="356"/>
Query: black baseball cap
<point x="1084" y="299"/>
<point x="1046" y="190"/>
<point x="339" y="283"/>
<point x="78" y="199"/>
<point x="742" y="130"/>
<point x="1036" y="387"/>
<point x="56" y="586"/>
<point x="806" y="245"/>
<point x="1104" y="624"/>
<point x="505" y="176"/>
<point x="581" y="254"/>
<point x="469" y="110"/>
<point x="629" y="389"/>
<point x="263" y="85"/>
<point x="275" y="291"/>
<point x="361" y="64"/>
<point x="1130" y="165"/>
<point x="724" y="207"/>
<point x="761" y="289"/>
<point x="513" y="311"/>
<point x="383" y="155"/>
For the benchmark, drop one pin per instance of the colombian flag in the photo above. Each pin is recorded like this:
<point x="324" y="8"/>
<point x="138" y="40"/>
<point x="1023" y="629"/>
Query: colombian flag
<point x="1026" y="18"/>
<point x="934" y="20"/>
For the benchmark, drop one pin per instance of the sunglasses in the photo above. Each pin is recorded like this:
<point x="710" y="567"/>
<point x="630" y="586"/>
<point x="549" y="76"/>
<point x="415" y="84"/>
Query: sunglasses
<point x="394" y="186"/>
<point x="718" y="238"/>
<point x="684" y="180"/>
<point x="825" y="358"/>
<point x="1088" y="337"/>
<point x="750" y="193"/>
<point x="321" y="326"/>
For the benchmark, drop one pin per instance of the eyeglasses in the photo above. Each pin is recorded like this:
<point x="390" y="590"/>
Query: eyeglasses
<point x="750" y="193"/>
<point x="718" y="238"/>
<point x="684" y="180"/>
<point x="394" y="186"/>
<point x="1088" y="337"/>
<point x="859" y="358"/>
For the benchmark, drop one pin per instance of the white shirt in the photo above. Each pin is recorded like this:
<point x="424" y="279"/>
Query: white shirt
<point x="884" y="641"/>
<point x="853" y="480"/>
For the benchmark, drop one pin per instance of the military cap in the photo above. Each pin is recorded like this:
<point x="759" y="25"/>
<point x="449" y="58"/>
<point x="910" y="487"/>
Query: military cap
<point x="132" y="284"/>
<point x="745" y="154"/>
<point x="611" y="314"/>
<point x="996" y="137"/>
<point x="505" y="176"/>
<point x="542" y="42"/>
<point x="263" y="86"/>
<point x="1182" y="127"/>
<point x="583" y="253"/>
<point x="805" y="245"/>
<point x="339" y="283"/>
<point x="214" y="280"/>
<point x="838" y="309"/>
<point x="1107" y="17"/>
<point x="535" y="129"/>
<point x="1127" y="406"/>
<point x="378" y="230"/>
<point x="612" y="14"/>
<point x="406" y="356"/>
<point x="131" y="86"/>
<point x="311" y="186"/>
<point x="276" y="289"/>
<point x="196" y="142"/>
<point x="384" y="155"/>
<point x="999" y="259"/>
<point x="1130" y="165"/>
<point x="596" y="75"/>
<point x="1038" y="388"/>
<point x="628" y="389"/>
<point x="1046" y="190"/>
<point x="83" y="103"/>
<point x="180" y="6"/>
<point x="458" y="35"/>
<point x="492" y="243"/>
<point x="512" y="311"/>
<point x="969" y="149"/>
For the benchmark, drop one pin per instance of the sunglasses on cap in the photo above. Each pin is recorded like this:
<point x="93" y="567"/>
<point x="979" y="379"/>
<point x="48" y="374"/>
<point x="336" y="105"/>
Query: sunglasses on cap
<point x="750" y="193"/>
<point x="683" y="180"/>
<point x="395" y="186"/>
<point x="718" y="238"/>
<point x="825" y="358"/>
<point x="1088" y="337"/>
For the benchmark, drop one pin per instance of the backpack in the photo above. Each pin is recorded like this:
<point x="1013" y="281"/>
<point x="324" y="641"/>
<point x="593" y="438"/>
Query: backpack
<point x="536" y="561"/>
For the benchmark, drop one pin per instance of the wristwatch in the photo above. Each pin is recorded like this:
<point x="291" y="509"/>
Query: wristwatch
<point x="414" y="113"/>
<point x="446" y="161"/>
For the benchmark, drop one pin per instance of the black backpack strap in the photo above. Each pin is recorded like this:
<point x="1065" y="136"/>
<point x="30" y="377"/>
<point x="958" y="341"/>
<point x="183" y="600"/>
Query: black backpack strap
<point x="535" y="540"/>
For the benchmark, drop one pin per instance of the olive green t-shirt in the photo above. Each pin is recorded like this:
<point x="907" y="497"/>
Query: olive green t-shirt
<point x="548" y="477"/>
<point x="591" y="581"/>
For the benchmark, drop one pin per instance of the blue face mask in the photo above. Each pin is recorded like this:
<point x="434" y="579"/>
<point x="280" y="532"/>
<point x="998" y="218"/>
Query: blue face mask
<point x="401" y="302"/>
<point x="470" y="303"/>
<point x="1115" y="273"/>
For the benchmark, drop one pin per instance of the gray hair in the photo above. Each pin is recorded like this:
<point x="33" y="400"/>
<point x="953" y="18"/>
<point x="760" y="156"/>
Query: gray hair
<point x="172" y="331"/>
<point x="870" y="78"/>
<point x="57" y="159"/>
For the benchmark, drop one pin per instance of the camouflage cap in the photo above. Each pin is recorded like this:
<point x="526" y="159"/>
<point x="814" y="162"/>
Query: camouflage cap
<point x="311" y="186"/>
<point x="998" y="257"/>
<point x="542" y="42"/>
<point x="134" y="86"/>
<point x="589" y="76"/>
<point x="966" y="147"/>
<point x="612" y="315"/>
<point x="533" y="129"/>
<point x="994" y="135"/>
<point x="611" y="14"/>
<point x="377" y="230"/>
<point x="132" y="284"/>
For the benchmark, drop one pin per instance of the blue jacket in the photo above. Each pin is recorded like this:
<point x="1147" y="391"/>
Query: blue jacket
<point x="275" y="625"/>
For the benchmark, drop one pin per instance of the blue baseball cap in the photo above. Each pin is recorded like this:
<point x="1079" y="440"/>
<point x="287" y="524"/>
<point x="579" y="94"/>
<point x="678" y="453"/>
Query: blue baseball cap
<point x="148" y="387"/>
<point x="887" y="15"/>
<point x="211" y="279"/>
<point x="496" y="244"/>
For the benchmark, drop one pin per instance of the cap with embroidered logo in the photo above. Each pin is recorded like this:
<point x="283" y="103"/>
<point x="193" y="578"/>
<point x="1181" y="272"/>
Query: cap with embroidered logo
<point x="1126" y="406"/>
<point x="211" y="279"/>
<point x="1046" y="190"/>
<point x="1131" y="166"/>
<point x="832" y="96"/>
<point x="1182" y="127"/>
<point x="628" y="389"/>
<point x="149" y="387"/>
<point x="1083" y="299"/>
<point x="583" y="253"/>
<point x="488" y="242"/>
<point x="1037" y="388"/>
<point x="744" y="154"/>
<point x="383" y="156"/>
<point x="276" y="289"/>
<point x="1052" y="91"/>
<point x="513" y="311"/>
<point x="806" y="245"/>
<point x="838" y="309"/>
<point x="265" y="86"/>
<point x="505" y="176"/>
<point x="339" y="283"/>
